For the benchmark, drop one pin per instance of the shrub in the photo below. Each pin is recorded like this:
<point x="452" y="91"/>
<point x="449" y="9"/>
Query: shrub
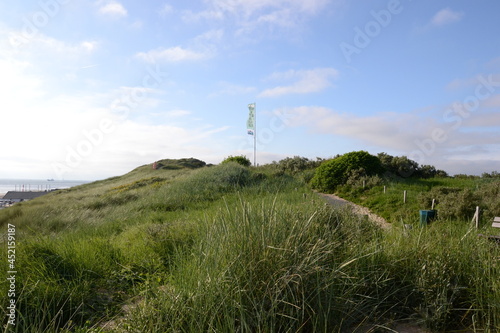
<point x="453" y="203"/>
<point x="335" y="172"/>
<point x="404" y="167"/>
<point x="242" y="160"/>
<point x="171" y="164"/>
<point x="296" y="164"/>
<point x="399" y="165"/>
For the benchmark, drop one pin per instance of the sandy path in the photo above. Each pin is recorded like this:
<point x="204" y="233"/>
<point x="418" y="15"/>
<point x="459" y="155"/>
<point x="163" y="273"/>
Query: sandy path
<point x="357" y="209"/>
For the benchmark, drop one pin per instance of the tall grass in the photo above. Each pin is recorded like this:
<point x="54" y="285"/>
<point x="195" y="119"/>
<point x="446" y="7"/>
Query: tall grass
<point x="231" y="249"/>
<point x="260" y="266"/>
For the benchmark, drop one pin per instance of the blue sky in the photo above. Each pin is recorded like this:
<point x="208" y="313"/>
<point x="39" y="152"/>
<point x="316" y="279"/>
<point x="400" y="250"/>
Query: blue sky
<point x="92" y="89"/>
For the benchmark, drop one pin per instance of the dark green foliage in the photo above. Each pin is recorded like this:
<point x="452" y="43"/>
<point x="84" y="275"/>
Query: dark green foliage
<point x="493" y="174"/>
<point x="402" y="166"/>
<point x="335" y="172"/>
<point x="170" y="164"/>
<point x="460" y="203"/>
<point x="296" y="164"/>
<point x="242" y="160"/>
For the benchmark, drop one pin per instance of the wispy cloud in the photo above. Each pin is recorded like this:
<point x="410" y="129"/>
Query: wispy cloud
<point x="178" y="113"/>
<point x="249" y="8"/>
<point x="304" y="81"/>
<point x="248" y="16"/>
<point x="375" y="130"/>
<point x="41" y="44"/>
<point x="165" y="10"/>
<point x="462" y="83"/>
<point x="172" y="54"/>
<point x="112" y="9"/>
<point x="200" y="47"/>
<point x="446" y="16"/>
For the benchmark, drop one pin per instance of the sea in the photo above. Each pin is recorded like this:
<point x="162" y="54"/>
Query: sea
<point x="7" y="185"/>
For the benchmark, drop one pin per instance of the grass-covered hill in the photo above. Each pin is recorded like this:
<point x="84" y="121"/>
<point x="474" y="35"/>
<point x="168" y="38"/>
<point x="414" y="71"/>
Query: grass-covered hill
<point x="186" y="247"/>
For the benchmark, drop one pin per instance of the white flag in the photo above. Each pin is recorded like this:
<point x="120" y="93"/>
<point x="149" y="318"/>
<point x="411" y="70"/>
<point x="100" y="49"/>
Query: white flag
<point x="251" y="119"/>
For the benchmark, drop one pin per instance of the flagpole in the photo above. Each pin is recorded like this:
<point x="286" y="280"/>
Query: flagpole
<point x="255" y="137"/>
<point x="252" y="129"/>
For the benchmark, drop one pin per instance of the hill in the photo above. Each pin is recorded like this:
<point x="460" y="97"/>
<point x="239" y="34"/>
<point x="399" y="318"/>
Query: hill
<point x="227" y="248"/>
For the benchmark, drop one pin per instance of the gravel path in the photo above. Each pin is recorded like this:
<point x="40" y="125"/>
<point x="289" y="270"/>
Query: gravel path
<point x="357" y="209"/>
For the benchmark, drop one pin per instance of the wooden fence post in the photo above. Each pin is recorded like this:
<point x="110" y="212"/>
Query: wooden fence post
<point x="476" y="217"/>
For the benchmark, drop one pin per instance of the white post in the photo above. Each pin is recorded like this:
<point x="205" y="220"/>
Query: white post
<point x="384" y="189"/>
<point x="255" y="137"/>
<point x="433" y="203"/>
<point x="404" y="196"/>
<point x="476" y="217"/>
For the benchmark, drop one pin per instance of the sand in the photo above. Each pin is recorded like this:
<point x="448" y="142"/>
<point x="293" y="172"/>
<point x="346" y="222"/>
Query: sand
<point x="357" y="209"/>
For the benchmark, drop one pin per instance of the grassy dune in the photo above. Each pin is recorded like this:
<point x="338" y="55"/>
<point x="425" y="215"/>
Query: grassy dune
<point x="231" y="249"/>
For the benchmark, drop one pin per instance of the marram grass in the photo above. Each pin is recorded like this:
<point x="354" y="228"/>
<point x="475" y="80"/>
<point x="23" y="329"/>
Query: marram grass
<point x="232" y="249"/>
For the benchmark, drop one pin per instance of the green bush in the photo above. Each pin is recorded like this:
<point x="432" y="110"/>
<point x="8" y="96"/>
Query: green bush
<point x="170" y="164"/>
<point x="335" y="172"/>
<point x="296" y="164"/>
<point x="460" y="204"/>
<point x="402" y="166"/>
<point x="242" y="160"/>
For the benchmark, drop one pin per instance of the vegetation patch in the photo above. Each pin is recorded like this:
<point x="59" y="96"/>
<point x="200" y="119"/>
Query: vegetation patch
<point x="242" y="160"/>
<point x="235" y="249"/>
<point x="170" y="164"/>
<point x="153" y="181"/>
<point x="336" y="172"/>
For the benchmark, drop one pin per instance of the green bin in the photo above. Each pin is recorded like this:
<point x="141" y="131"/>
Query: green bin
<point x="427" y="216"/>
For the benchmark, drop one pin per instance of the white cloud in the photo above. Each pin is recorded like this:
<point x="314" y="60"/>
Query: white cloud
<point x="252" y="7"/>
<point x="214" y="35"/>
<point x="46" y="131"/>
<point x="378" y="130"/>
<point x="178" y="113"/>
<point x="42" y="122"/>
<point x="113" y="9"/>
<point x="306" y="81"/>
<point x="89" y="46"/>
<point x="446" y="16"/>
<point x="41" y="45"/>
<point x="165" y="10"/>
<point x="173" y="54"/>
<point x="249" y="15"/>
